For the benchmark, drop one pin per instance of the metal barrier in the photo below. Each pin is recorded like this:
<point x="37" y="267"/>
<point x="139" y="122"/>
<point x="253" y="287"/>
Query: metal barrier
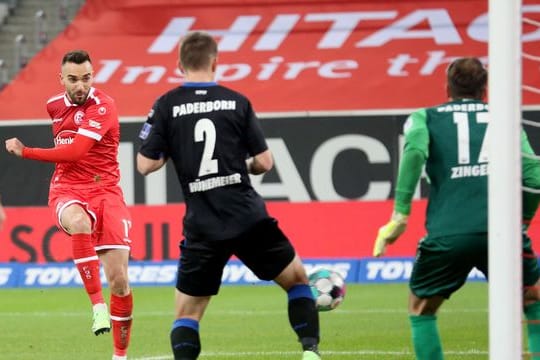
<point x="4" y="76"/>
<point x="41" y="36"/>
<point x="20" y="53"/>
<point x="63" y="10"/>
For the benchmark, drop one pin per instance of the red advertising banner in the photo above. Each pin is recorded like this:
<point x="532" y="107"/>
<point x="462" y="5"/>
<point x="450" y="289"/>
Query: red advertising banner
<point x="317" y="230"/>
<point x="344" y="229"/>
<point x="285" y="55"/>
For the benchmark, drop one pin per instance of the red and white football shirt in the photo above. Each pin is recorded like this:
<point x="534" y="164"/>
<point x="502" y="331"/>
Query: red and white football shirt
<point x="97" y="119"/>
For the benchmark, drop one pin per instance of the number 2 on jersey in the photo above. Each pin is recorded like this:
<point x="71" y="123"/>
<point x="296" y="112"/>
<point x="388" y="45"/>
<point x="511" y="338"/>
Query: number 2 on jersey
<point x="206" y="131"/>
<point x="461" y="119"/>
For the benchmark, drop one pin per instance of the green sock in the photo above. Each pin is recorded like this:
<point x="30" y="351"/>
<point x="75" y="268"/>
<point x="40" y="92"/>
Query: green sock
<point x="425" y="336"/>
<point x="532" y="313"/>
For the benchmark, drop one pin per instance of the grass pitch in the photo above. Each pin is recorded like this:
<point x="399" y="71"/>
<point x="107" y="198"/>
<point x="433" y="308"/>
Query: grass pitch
<point x="242" y="322"/>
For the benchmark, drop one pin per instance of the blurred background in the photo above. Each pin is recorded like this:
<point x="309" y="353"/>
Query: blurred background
<point x="332" y="81"/>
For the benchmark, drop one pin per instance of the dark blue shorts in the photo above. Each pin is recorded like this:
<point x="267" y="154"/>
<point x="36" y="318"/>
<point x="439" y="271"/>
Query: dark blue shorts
<point x="264" y="249"/>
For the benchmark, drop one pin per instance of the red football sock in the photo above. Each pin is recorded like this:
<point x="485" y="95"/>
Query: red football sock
<point x="121" y="308"/>
<point x="87" y="262"/>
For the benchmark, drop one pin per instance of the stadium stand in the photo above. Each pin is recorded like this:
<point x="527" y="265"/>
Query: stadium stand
<point x="4" y="12"/>
<point x="26" y="26"/>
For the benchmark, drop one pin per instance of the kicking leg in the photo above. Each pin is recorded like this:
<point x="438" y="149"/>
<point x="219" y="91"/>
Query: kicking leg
<point x="76" y="221"/>
<point x="303" y="314"/>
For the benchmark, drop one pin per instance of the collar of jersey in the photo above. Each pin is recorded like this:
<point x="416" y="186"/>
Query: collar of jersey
<point x="200" y="84"/>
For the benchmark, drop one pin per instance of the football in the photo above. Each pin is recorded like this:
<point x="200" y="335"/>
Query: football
<point x="328" y="288"/>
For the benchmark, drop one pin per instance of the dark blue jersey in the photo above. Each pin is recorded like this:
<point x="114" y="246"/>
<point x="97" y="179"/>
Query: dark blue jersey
<point x="208" y="131"/>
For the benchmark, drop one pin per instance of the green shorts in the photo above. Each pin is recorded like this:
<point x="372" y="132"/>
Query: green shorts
<point x="443" y="263"/>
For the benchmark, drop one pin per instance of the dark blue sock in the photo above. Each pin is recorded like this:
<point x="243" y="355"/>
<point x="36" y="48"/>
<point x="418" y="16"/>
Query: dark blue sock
<point x="303" y="316"/>
<point x="185" y="341"/>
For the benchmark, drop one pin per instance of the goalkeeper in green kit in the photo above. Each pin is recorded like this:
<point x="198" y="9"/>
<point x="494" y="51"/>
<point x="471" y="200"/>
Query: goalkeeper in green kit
<point x="449" y="140"/>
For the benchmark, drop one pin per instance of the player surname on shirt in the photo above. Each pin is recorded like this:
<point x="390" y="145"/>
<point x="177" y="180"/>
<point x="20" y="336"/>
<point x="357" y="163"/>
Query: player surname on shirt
<point x="214" y="182"/>
<point x="201" y="107"/>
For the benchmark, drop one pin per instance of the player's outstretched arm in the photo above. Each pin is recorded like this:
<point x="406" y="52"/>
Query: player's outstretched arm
<point x="67" y="153"/>
<point x="410" y="169"/>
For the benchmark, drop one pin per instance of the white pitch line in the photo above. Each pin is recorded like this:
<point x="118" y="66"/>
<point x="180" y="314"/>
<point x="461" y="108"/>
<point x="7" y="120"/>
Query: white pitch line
<point x="232" y="312"/>
<point x="250" y="354"/>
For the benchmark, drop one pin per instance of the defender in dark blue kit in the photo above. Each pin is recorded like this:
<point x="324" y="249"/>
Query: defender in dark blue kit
<point x="214" y="139"/>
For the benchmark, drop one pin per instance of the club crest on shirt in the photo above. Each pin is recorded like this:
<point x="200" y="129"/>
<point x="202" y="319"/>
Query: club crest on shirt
<point x="102" y="110"/>
<point x="78" y="117"/>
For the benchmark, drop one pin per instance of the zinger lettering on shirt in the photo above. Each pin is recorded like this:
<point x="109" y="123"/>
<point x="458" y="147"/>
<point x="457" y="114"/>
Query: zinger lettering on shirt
<point x="469" y="171"/>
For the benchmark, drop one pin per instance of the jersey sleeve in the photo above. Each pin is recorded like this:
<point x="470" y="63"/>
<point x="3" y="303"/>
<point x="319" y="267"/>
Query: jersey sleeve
<point x="154" y="142"/>
<point x="68" y="153"/>
<point x="98" y="119"/>
<point x="255" y="138"/>
<point x="531" y="178"/>
<point x="415" y="153"/>
<point x="416" y="132"/>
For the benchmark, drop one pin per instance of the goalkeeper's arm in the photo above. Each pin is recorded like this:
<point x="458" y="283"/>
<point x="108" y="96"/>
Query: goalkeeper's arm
<point x="410" y="170"/>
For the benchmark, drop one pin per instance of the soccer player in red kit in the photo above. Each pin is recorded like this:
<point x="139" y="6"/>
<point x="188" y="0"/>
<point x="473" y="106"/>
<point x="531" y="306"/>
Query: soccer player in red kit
<point x="84" y="194"/>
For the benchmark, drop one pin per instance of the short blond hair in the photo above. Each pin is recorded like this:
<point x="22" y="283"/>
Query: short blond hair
<point x="197" y="49"/>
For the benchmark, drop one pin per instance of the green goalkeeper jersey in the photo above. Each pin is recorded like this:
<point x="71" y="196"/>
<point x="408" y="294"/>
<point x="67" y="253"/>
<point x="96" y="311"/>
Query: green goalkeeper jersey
<point x="450" y="141"/>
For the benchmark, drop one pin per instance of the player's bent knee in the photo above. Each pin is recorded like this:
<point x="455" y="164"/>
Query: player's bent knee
<point x="78" y="226"/>
<point x="76" y="222"/>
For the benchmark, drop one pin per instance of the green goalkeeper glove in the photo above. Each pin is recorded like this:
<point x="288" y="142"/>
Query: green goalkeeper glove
<point x="389" y="233"/>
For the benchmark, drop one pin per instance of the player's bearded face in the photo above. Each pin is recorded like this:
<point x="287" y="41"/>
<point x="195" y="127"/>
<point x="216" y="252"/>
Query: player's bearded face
<point x="77" y="80"/>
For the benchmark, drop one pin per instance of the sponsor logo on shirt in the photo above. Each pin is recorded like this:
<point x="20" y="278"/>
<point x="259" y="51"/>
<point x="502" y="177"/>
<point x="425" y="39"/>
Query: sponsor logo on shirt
<point x="94" y="124"/>
<point x="64" y="138"/>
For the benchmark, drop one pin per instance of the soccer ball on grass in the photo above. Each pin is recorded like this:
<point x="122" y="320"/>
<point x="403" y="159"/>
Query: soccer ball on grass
<point x="328" y="288"/>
